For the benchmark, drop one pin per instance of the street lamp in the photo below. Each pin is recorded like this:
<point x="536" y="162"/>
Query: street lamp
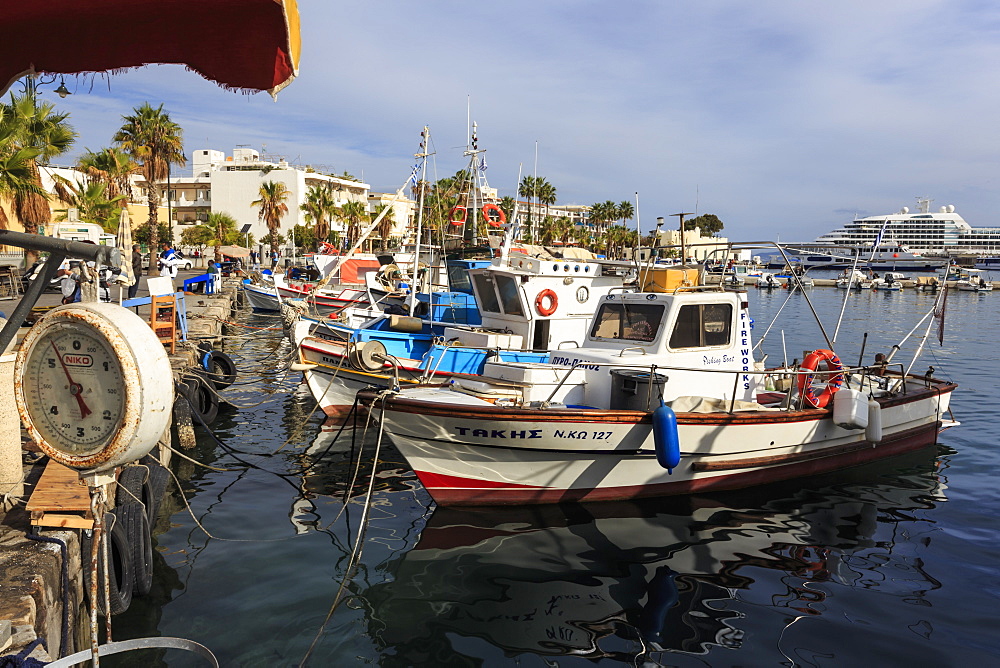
<point x="62" y="91"/>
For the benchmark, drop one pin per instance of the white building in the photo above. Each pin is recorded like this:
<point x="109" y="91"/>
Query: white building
<point x="229" y="184"/>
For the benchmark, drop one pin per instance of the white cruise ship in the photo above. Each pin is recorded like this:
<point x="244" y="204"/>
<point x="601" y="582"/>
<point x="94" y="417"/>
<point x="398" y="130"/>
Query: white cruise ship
<point x="907" y="241"/>
<point x="941" y="233"/>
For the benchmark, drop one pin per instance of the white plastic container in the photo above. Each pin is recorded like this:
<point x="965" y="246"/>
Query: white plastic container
<point x="873" y="432"/>
<point x="850" y="409"/>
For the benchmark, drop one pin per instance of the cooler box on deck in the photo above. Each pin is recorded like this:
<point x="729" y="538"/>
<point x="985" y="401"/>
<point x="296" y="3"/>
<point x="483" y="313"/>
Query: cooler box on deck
<point x="540" y="380"/>
<point x="483" y="339"/>
<point x="666" y="279"/>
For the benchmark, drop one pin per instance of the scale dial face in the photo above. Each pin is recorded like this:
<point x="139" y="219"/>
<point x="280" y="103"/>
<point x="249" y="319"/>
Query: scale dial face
<point x="74" y="389"/>
<point x="93" y="385"/>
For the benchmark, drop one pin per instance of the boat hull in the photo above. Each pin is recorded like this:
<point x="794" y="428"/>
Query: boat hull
<point x="482" y="455"/>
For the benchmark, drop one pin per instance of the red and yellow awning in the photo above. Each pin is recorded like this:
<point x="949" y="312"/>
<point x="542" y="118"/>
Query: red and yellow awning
<point x="240" y="44"/>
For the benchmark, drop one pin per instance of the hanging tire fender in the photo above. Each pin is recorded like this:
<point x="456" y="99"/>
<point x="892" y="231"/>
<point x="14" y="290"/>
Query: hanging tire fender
<point x="121" y="580"/>
<point x="219" y="368"/>
<point x="201" y="397"/>
<point x="140" y="542"/>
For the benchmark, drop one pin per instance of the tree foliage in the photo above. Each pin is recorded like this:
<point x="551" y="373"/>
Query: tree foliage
<point x="708" y="223"/>
<point x="154" y="142"/>
<point x="273" y="207"/>
<point x="31" y="134"/>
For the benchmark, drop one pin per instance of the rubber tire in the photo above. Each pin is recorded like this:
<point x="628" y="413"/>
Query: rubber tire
<point x="133" y="517"/>
<point x="156" y="487"/>
<point x="121" y="583"/>
<point x="219" y="369"/>
<point x="131" y="486"/>
<point x="201" y="397"/>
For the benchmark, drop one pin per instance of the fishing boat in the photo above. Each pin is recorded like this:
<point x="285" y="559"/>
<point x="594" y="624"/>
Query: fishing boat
<point x="663" y="397"/>
<point x="360" y="283"/>
<point x="890" y="281"/>
<point x="854" y="279"/>
<point x="768" y="281"/>
<point x="526" y="306"/>
<point x="972" y="280"/>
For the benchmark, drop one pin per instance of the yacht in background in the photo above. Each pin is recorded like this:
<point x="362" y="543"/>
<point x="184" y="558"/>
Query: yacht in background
<point x="919" y="240"/>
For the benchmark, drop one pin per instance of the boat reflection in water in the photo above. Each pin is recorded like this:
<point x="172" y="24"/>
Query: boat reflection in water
<point x="644" y="581"/>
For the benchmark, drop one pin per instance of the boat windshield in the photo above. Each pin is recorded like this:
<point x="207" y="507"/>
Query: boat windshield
<point x="458" y="279"/>
<point x="631" y="322"/>
<point x="509" y="295"/>
<point x="702" y="326"/>
<point x="488" y="301"/>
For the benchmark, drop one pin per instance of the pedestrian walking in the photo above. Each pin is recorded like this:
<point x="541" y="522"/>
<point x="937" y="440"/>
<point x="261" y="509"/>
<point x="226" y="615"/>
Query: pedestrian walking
<point x="133" y="289"/>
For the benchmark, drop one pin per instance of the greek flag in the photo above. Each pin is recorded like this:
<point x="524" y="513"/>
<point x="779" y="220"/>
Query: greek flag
<point x="413" y="174"/>
<point x="881" y="232"/>
<point x="482" y="165"/>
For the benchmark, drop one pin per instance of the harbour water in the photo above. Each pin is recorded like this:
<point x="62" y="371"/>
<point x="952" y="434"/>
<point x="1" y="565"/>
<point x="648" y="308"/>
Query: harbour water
<point x="890" y="564"/>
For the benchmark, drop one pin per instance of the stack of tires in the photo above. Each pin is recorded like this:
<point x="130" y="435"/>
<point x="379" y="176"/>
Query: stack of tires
<point x="200" y="388"/>
<point x="129" y="531"/>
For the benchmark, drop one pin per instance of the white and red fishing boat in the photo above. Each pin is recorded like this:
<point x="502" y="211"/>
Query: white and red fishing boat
<point x="526" y="307"/>
<point x="589" y="425"/>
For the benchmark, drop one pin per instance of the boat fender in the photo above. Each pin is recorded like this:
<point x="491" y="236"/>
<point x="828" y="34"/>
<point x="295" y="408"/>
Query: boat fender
<point x="201" y="397"/>
<point x="302" y="366"/>
<point x="220" y="369"/>
<point x="873" y="432"/>
<point x="405" y="323"/>
<point x="120" y="582"/>
<point x="665" y="438"/>
<point x="133" y="517"/>
<point x="544" y="296"/>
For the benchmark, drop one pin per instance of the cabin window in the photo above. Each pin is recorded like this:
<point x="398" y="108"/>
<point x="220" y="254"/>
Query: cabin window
<point x="509" y="297"/>
<point x="458" y="279"/>
<point x="630" y="322"/>
<point x="702" y="326"/>
<point x="484" y="291"/>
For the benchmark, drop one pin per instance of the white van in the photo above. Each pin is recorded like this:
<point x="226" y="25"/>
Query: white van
<point x="80" y="232"/>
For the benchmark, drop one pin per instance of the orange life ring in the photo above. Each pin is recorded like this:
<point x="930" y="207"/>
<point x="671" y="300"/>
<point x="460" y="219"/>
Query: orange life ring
<point x="328" y="249"/>
<point x="458" y="215"/>
<point x="540" y="300"/>
<point x="497" y="221"/>
<point x="833" y="381"/>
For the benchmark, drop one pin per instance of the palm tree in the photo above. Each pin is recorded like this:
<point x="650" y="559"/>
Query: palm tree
<point x="112" y="167"/>
<point x="223" y="230"/>
<point x="319" y="208"/>
<point x="564" y="229"/>
<point x="15" y="174"/>
<point x="601" y="214"/>
<point x="384" y="229"/>
<point x="273" y="195"/>
<point x="92" y="202"/>
<point x="546" y="194"/>
<point x="44" y="134"/>
<point x="533" y="187"/>
<point x="150" y="138"/>
<point x="352" y="213"/>
<point x="625" y="211"/>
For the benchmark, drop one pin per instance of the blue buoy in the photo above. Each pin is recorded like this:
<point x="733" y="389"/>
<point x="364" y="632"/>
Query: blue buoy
<point x="665" y="438"/>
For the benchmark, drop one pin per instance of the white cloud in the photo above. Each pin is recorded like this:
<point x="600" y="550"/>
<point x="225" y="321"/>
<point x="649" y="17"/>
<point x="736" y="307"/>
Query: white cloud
<point x="777" y="116"/>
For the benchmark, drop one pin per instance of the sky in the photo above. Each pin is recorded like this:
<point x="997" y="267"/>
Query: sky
<point x="785" y="119"/>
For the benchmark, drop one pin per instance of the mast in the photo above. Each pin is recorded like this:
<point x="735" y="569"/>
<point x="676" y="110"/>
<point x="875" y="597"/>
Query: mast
<point x="477" y="181"/>
<point x="424" y="144"/>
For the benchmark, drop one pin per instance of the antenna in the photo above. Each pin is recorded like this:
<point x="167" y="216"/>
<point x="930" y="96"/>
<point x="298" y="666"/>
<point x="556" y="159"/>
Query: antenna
<point x="683" y="252"/>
